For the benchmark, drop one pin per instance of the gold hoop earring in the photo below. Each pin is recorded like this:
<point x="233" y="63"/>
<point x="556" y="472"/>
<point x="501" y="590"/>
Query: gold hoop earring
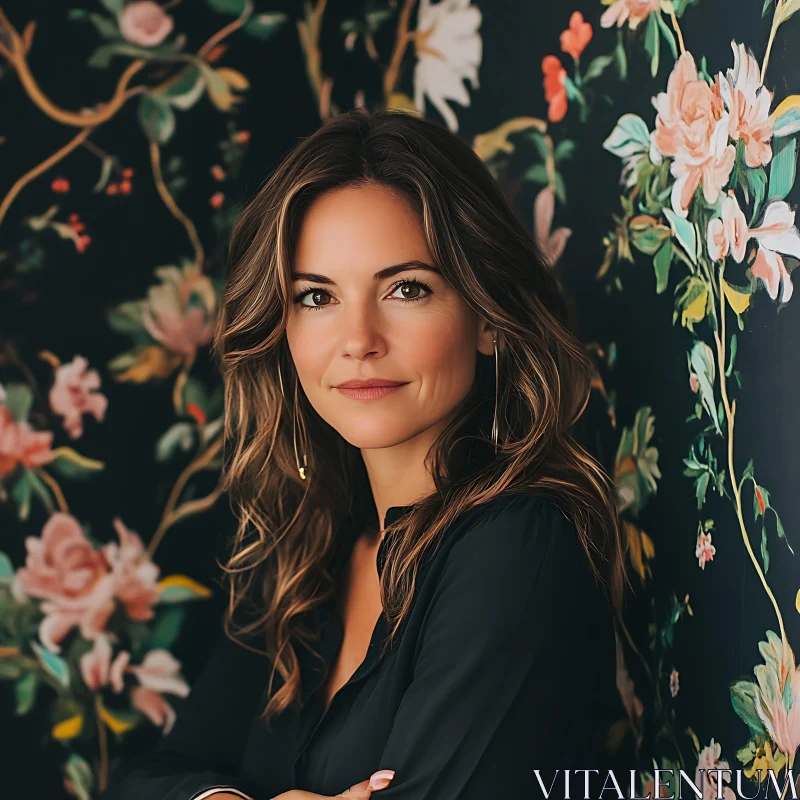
<point x="495" y="426"/>
<point x="301" y="470"/>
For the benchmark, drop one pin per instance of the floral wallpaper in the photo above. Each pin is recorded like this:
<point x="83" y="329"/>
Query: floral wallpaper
<point x="651" y="147"/>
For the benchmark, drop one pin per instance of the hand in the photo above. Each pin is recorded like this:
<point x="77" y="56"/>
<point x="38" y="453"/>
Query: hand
<point x="358" y="791"/>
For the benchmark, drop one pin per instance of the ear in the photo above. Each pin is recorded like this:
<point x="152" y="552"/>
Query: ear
<point x="486" y="336"/>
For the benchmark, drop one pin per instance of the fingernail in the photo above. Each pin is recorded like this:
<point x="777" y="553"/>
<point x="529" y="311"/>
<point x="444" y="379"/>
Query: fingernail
<point x="380" y="779"/>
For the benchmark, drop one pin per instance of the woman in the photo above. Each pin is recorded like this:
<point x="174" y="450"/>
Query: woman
<point x="426" y="566"/>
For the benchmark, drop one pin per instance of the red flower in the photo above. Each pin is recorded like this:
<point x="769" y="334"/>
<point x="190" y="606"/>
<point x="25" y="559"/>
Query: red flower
<point x="60" y="185"/>
<point x="217" y="199"/>
<point x="575" y="38"/>
<point x="760" y="499"/>
<point x="555" y="93"/>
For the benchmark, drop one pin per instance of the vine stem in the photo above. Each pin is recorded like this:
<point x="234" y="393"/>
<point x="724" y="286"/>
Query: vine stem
<point x="677" y="30"/>
<point x="102" y="771"/>
<point x="402" y="39"/>
<point x="169" y="202"/>
<point x="22" y="182"/>
<point x="55" y="489"/>
<point x="730" y="413"/>
<point x="776" y="21"/>
<point x="172" y="513"/>
<point x="16" y="55"/>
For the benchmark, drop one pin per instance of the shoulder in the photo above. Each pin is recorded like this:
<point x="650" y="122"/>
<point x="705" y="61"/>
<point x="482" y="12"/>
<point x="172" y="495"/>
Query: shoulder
<point x="516" y="553"/>
<point x="516" y="531"/>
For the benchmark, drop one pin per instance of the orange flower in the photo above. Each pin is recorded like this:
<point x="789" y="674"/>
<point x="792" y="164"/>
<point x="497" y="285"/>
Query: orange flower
<point x="217" y="199"/>
<point x="241" y="137"/>
<point x="112" y="188"/>
<point x="60" y="185"/>
<point x="575" y="38"/>
<point x="125" y="187"/>
<point x="127" y="172"/>
<point x="555" y="93"/>
<point x="218" y="173"/>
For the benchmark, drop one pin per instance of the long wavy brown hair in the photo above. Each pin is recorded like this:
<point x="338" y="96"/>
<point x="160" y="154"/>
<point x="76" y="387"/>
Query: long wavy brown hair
<point x="279" y="567"/>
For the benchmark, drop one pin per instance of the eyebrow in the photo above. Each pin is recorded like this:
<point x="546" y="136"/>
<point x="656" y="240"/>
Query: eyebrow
<point x="387" y="272"/>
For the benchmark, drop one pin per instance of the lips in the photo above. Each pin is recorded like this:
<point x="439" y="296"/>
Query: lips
<point x="369" y="388"/>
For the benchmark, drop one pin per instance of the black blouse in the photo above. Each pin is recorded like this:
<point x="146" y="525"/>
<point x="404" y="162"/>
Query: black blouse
<point x="506" y="664"/>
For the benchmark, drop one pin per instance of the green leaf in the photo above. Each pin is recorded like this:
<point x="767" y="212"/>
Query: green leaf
<point x="652" y="42"/>
<point x="764" y="551"/>
<point x="783" y="169"/>
<point x="114" y="6"/>
<point x="662" y="262"/>
<point x="6" y="568"/>
<point x="744" y="704"/>
<point x="80" y="775"/>
<point x="621" y="57"/>
<point x="666" y="32"/>
<point x="684" y="232"/>
<point x="756" y="182"/>
<point x="647" y="235"/>
<point x="765" y="9"/>
<point x="596" y="67"/>
<point x="564" y="150"/>
<point x="18" y="400"/>
<point x="785" y="118"/>
<point x="263" y="26"/>
<point x="166" y="629"/>
<point x="53" y="664"/>
<point x="106" y="27"/>
<point x="186" y="91"/>
<point x="630" y="136"/>
<point x="228" y="6"/>
<point x="537" y="173"/>
<point x="25" y="692"/>
<point x="156" y="118"/>
<point x="180" y="588"/>
<point x="560" y="188"/>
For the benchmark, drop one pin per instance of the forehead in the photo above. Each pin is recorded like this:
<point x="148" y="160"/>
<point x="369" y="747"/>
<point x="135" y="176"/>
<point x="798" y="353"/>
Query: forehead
<point x="358" y="228"/>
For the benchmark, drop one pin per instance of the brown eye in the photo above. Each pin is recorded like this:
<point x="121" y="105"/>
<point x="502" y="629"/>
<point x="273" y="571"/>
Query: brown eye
<point x="411" y="290"/>
<point x="319" y="297"/>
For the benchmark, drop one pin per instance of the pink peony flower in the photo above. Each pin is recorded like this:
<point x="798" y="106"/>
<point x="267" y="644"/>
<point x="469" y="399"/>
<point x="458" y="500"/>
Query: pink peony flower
<point x="728" y="233"/>
<point x="709" y="759"/>
<point x="157" y="674"/>
<point x="704" y="550"/>
<point x="179" y="313"/>
<point x="134" y="574"/>
<point x="575" y="38"/>
<point x="71" y="577"/>
<point x="73" y="395"/>
<point x="97" y="668"/>
<point x="21" y="444"/>
<point x="631" y="11"/>
<point x="692" y="128"/>
<point x="747" y="102"/>
<point x="145" y="23"/>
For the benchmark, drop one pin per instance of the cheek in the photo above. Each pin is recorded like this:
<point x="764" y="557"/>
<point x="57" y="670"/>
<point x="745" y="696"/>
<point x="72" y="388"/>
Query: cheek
<point x="308" y="353"/>
<point x="443" y="351"/>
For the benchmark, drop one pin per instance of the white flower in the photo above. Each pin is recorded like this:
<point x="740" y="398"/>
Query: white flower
<point x="776" y="235"/>
<point x="449" y="49"/>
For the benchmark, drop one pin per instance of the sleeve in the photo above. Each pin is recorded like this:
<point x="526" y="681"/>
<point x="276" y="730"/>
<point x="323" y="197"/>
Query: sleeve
<point x="203" y="750"/>
<point x="501" y="685"/>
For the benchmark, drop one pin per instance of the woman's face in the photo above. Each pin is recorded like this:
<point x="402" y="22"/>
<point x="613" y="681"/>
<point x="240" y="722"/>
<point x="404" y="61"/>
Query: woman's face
<point x="362" y="311"/>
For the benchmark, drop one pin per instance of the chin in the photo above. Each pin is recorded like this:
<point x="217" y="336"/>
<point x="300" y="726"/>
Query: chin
<point x="374" y="434"/>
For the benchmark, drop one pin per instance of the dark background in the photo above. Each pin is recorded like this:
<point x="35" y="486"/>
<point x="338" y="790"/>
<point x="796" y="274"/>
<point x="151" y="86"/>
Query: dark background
<point x="61" y="306"/>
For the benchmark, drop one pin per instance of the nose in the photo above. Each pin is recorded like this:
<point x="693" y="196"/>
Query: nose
<point x="362" y="335"/>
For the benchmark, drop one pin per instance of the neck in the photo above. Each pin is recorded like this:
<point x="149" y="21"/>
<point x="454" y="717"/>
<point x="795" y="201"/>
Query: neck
<point x="398" y="475"/>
